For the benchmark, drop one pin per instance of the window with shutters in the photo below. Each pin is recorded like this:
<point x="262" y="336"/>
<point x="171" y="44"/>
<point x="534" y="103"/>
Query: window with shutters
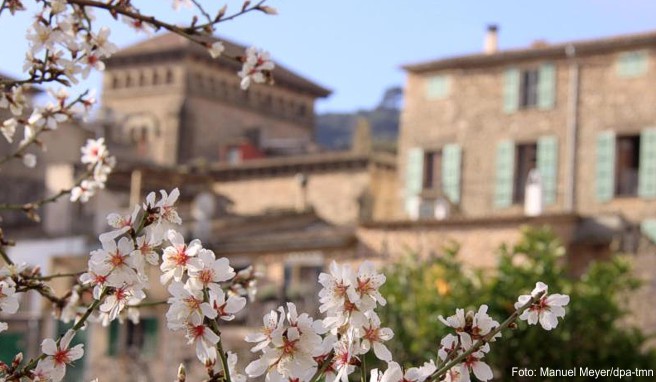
<point x="627" y="164"/>
<point x="432" y="170"/>
<point x="526" y="156"/>
<point x="528" y="88"/>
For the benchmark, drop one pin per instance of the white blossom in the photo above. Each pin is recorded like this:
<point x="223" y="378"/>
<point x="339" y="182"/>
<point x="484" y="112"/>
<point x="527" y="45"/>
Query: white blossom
<point x="59" y="355"/>
<point x="546" y="310"/>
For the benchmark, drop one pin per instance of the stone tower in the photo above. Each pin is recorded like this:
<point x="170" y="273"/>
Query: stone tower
<point x="167" y="102"/>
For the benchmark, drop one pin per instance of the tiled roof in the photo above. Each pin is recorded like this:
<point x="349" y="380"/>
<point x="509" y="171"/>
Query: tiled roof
<point x="555" y="51"/>
<point x="175" y="44"/>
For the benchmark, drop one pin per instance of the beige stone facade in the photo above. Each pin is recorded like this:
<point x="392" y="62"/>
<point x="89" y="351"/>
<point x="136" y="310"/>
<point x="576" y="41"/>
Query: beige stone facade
<point x="167" y="102"/>
<point x="462" y="101"/>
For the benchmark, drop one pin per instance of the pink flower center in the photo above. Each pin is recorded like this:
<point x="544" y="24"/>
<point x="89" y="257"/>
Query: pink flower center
<point x="117" y="260"/>
<point x="181" y="257"/>
<point x="61" y="357"/>
<point x="206" y="276"/>
<point x="198" y="331"/>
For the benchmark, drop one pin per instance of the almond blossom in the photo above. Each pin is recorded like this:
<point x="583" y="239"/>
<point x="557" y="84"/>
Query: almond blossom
<point x="58" y="356"/>
<point x="272" y="322"/>
<point x="226" y="308"/>
<point x="394" y="373"/>
<point x="185" y="303"/>
<point x="546" y="310"/>
<point x="373" y="336"/>
<point x="178" y="257"/>
<point x="8" y="297"/>
<point x="255" y="67"/>
<point x="210" y="272"/>
<point x="292" y="349"/>
<point x="203" y="338"/>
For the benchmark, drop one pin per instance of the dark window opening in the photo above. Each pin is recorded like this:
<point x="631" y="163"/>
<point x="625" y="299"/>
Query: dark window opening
<point x="529" y="89"/>
<point x="627" y="162"/>
<point x="525" y="161"/>
<point x="432" y="170"/>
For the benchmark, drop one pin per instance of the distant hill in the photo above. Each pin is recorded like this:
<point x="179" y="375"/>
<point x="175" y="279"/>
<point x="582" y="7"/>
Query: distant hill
<point x="335" y="130"/>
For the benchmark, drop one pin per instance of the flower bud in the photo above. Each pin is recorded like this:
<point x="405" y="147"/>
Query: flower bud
<point x="17" y="360"/>
<point x="182" y="373"/>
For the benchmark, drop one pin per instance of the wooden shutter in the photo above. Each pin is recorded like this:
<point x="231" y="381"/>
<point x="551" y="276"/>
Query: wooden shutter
<point x="505" y="170"/>
<point x="547" y="86"/>
<point x="414" y="175"/>
<point x="151" y="326"/>
<point x="647" y="164"/>
<point x="548" y="168"/>
<point x="648" y="228"/>
<point x="605" y="172"/>
<point x="511" y="90"/>
<point x="113" y="340"/>
<point x="12" y="344"/>
<point x="451" y="166"/>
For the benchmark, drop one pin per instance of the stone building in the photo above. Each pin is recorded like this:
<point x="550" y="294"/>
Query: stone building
<point x="552" y="134"/>
<point x="581" y="113"/>
<point x="168" y="102"/>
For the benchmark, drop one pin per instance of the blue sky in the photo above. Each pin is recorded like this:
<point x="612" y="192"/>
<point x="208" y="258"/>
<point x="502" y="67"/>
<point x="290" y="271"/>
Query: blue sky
<point x="356" y="47"/>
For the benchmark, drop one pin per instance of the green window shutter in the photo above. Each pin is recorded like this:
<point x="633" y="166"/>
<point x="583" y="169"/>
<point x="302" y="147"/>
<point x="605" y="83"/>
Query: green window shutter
<point x="505" y="169"/>
<point x="548" y="168"/>
<point x="648" y="228"/>
<point x="414" y="176"/>
<point x="547" y="86"/>
<point x="113" y="340"/>
<point x="605" y="173"/>
<point x="437" y="87"/>
<point x="151" y="326"/>
<point x="647" y="169"/>
<point x="633" y="64"/>
<point x="451" y="162"/>
<point x="511" y="90"/>
<point x="12" y="344"/>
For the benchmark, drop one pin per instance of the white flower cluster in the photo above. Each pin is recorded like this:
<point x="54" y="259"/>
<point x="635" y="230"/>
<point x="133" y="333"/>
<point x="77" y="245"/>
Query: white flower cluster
<point x="197" y="299"/>
<point x="469" y="328"/>
<point x="117" y="271"/>
<point x="351" y="327"/>
<point x="99" y="165"/>
<point x="257" y="66"/>
<point x="479" y="326"/>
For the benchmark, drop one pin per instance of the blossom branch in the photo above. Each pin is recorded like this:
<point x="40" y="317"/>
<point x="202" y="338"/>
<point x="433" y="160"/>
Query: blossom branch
<point x="190" y="32"/>
<point x="20" y="151"/>
<point x="438" y="374"/>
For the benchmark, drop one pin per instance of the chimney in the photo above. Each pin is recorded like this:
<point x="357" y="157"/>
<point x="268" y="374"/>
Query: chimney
<point x="491" y="39"/>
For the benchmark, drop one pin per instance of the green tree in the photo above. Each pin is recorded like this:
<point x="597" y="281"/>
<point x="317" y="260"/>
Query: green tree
<point x="593" y="334"/>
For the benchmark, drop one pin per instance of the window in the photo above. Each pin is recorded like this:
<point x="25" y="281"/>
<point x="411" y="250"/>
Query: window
<point x="432" y="170"/>
<point x="525" y="161"/>
<point x="627" y="161"/>
<point x="131" y="338"/>
<point x="533" y="87"/>
<point x="632" y="64"/>
<point x="437" y="87"/>
<point x="528" y="96"/>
